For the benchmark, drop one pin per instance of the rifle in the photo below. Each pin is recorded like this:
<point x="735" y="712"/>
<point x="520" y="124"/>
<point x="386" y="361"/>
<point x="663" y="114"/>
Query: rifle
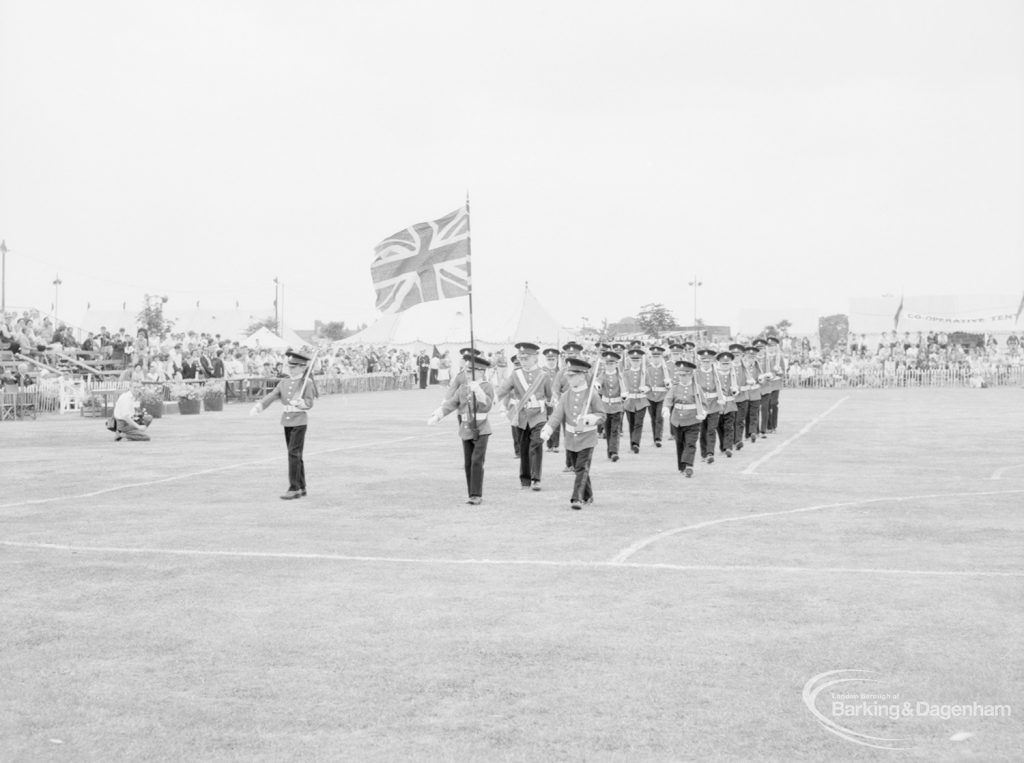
<point x="590" y="397"/>
<point x="305" y="379"/>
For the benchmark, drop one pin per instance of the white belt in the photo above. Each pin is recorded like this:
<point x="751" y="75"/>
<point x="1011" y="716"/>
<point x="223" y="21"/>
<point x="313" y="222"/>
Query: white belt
<point x="636" y="395"/>
<point x="538" y="404"/>
<point x="659" y="389"/>
<point x="481" y="417"/>
<point x="579" y="430"/>
<point x="291" y="409"/>
<point x="685" y="406"/>
<point x="612" y="399"/>
<point x="728" y="399"/>
<point x="748" y="387"/>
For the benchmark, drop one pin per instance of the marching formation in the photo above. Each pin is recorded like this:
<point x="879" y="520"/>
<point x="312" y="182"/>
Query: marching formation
<point x="717" y="401"/>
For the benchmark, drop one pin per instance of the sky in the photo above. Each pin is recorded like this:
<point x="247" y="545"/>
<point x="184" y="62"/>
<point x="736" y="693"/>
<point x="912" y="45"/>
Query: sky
<point x="787" y="155"/>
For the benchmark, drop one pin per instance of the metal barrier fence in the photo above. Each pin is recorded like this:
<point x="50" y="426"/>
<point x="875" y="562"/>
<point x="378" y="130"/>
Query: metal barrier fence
<point x="64" y="395"/>
<point x="877" y="378"/>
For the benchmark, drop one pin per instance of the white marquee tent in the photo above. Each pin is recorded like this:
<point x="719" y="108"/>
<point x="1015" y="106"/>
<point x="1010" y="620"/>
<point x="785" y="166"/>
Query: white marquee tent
<point x="445" y="323"/>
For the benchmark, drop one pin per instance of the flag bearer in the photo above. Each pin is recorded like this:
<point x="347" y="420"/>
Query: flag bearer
<point x="473" y="399"/>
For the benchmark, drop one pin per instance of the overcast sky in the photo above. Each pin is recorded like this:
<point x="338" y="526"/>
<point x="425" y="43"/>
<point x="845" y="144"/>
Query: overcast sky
<point x="790" y="154"/>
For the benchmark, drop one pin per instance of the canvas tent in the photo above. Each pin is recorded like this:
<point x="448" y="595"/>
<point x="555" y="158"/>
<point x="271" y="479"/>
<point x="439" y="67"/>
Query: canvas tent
<point x="264" y="338"/>
<point x="973" y="313"/>
<point x="445" y="324"/>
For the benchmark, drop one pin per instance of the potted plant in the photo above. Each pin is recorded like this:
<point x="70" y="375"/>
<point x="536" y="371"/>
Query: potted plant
<point x="152" y="399"/>
<point x="189" y="398"/>
<point x="213" y="395"/>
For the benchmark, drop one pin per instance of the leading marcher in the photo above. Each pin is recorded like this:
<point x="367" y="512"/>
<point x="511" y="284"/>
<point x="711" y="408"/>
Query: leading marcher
<point x="473" y="399"/>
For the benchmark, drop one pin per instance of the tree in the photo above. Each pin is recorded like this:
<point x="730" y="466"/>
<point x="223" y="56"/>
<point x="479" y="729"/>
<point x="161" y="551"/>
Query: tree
<point x="655" y="318"/>
<point x="335" y="330"/>
<point x="626" y="325"/>
<point x="152" y="317"/>
<point x="267" y="322"/>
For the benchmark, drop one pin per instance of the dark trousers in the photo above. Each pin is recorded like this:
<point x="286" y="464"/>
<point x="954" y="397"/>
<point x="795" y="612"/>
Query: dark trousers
<point x="531" y="451"/>
<point x="726" y="427"/>
<point x="295" y="437"/>
<point x="657" y="424"/>
<point x="423" y="377"/>
<point x="130" y="430"/>
<point x="474" y="452"/>
<point x="708" y="430"/>
<point x="773" y="410"/>
<point x="740" y="420"/>
<point x="635" y="420"/>
<point x="753" y="416"/>
<point x="433" y="375"/>
<point x="686" y="444"/>
<point x="553" y="439"/>
<point x="581" y="489"/>
<point x="612" y="431"/>
<point x="515" y="439"/>
<point x="766" y="401"/>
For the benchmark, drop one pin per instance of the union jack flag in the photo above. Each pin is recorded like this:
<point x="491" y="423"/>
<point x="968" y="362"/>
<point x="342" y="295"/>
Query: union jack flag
<point x="425" y="262"/>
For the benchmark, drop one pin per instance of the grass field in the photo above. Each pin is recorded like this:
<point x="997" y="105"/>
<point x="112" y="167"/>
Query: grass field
<point x="160" y="601"/>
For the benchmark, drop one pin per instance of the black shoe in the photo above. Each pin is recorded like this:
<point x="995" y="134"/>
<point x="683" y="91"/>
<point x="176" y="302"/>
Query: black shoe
<point x="568" y="470"/>
<point x="614" y="456"/>
<point x="119" y="438"/>
<point x="575" y="505"/>
<point x="291" y="495"/>
<point x="303" y="491"/>
<point x="657" y="443"/>
<point x="588" y="502"/>
<point x="711" y="459"/>
<point x="688" y="471"/>
<point x="474" y="500"/>
<point x="635" y="448"/>
<point x="728" y="453"/>
<point x="739" y="445"/>
<point x="703" y="458"/>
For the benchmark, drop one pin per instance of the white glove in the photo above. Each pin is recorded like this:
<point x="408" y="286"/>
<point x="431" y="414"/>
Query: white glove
<point x="475" y="387"/>
<point x="545" y="432"/>
<point x="701" y="416"/>
<point x="434" y="417"/>
<point x="256" y="410"/>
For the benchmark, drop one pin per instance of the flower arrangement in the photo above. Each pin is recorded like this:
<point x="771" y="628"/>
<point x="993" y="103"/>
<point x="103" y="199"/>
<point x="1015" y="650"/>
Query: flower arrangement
<point x="184" y="391"/>
<point x="213" y="390"/>
<point x="152" y="393"/>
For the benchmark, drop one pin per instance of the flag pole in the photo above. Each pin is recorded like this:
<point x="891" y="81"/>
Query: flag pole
<point x="472" y="339"/>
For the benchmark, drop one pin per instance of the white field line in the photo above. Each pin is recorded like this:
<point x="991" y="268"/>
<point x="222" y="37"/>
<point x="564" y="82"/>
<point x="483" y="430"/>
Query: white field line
<point x="572" y="563"/>
<point x="201" y="472"/>
<point x="998" y="473"/>
<point x="627" y="552"/>
<point x="806" y="428"/>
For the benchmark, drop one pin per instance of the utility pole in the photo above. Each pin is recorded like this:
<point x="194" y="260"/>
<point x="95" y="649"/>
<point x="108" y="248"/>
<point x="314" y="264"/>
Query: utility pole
<point x="56" y="295"/>
<point x="695" y="283"/>
<point x="3" y="277"/>
<point x="277" y="322"/>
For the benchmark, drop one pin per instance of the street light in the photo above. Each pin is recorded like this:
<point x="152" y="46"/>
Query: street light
<point x="695" y="283"/>
<point x="56" y="293"/>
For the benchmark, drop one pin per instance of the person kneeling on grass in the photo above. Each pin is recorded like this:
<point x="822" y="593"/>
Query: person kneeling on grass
<point x="132" y="422"/>
<point x="580" y="409"/>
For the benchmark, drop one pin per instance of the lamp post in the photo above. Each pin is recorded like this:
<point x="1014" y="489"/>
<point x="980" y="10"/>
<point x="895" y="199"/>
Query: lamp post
<point x="56" y="294"/>
<point x="695" y="283"/>
<point x="276" y="320"/>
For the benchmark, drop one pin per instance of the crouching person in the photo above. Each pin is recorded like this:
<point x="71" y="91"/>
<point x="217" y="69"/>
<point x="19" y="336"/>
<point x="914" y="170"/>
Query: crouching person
<point x="131" y="420"/>
<point x="580" y="409"/>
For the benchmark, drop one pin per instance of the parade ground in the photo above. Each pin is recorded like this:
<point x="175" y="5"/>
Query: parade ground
<point x="161" y="602"/>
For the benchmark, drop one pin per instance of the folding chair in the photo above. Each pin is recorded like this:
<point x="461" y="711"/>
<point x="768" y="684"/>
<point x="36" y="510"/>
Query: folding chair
<point x="26" y="403"/>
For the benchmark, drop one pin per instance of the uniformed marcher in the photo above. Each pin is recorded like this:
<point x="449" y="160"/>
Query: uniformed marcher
<point x="730" y="388"/>
<point x="707" y="380"/>
<point x="550" y="365"/>
<point x="610" y="387"/>
<point x="742" y="400"/>
<point x="765" y="380"/>
<point x="659" y="378"/>
<point x="296" y="394"/>
<point x="753" y="373"/>
<point x="570" y="349"/>
<point x="524" y="393"/>
<point x="775" y="365"/>
<point x="686" y="414"/>
<point x="514" y="360"/>
<point x="634" y="394"/>
<point x="579" y="409"/>
<point x="473" y="399"/>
